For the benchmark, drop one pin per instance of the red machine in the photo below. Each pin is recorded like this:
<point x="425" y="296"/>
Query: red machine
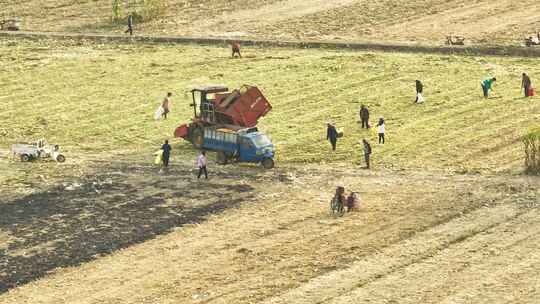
<point x="215" y="105"/>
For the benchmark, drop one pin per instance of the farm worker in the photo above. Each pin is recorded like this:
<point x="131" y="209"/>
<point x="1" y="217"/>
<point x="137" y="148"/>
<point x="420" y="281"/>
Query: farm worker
<point x="331" y="135"/>
<point x="419" y="91"/>
<point x="367" y="152"/>
<point x="166" y="105"/>
<point x="364" y="116"/>
<point x="201" y="163"/>
<point x="526" y="84"/>
<point x="130" y="25"/>
<point x="166" y="148"/>
<point x="487" y="85"/>
<point x="380" y="125"/>
<point x="235" y="46"/>
<point x="353" y="202"/>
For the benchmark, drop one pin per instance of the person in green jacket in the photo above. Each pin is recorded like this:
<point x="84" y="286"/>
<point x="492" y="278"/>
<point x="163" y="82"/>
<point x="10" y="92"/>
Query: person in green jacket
<point x="487" y="85"/>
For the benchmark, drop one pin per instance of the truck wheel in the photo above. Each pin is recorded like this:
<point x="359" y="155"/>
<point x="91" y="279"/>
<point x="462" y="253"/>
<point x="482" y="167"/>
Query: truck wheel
<point x="268" y="163"/>
<point x="60" y="158"/>
<point x="25" y="158"/>
<point x="197" y="138"/>
<point x="221" y="158"/>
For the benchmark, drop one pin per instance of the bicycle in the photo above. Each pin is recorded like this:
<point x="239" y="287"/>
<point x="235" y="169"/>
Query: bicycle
<point x="336" y="206"/>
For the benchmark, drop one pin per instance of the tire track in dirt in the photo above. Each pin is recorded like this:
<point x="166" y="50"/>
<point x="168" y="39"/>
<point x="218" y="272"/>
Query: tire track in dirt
<point x="398" y="256"/>
<point x="469" y="267"/>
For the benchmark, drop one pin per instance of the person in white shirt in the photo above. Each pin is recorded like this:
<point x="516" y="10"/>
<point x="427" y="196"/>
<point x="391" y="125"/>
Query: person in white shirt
<point x="380" y="125"/>
<point x="201" y="163"/>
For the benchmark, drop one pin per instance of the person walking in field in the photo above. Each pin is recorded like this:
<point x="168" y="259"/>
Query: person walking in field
<point x="364" y="116"/>
<point x="367" y="152"/>
<point x="201" y="163"/>
<point x="487" y="85"/>
<point x="381" y="128"/>
<point x="526" y="84"/>
<point x="419" y="92"/>
<point x="235" y="46"/>
<point x="166" y="153"/>
<point x="166" y="148"/>
<point x="130" y="25"/>
<point x="332" y="135"/>
<point x="166" y="105"/>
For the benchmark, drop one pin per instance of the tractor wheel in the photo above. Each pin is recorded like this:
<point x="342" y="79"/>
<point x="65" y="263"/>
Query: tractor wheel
<point x="25" y="158"/>
<point x="60" y="158"/>
<point x="222" y="158"/>
<point x="197" y="137"/>
<point x="268" y="163"/>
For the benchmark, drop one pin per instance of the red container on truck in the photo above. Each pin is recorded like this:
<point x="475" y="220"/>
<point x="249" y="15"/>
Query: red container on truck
<point x="216" y="106"/>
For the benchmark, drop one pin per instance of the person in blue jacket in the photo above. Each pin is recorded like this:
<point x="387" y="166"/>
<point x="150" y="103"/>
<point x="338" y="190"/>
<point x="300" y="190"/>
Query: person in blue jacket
<point x="331" y="135"/>
<point x="166" y="153"/>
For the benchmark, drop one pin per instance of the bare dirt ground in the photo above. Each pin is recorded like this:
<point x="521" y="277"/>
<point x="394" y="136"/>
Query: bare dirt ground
<point x="427" y="21"/>
<point x="267" y="237"/>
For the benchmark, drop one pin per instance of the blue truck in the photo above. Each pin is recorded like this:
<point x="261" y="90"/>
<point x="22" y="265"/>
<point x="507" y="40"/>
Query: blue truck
<point x="239" y="145"/>
<point x="225" y="122"/>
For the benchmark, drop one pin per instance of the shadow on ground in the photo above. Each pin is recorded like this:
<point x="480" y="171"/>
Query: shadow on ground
<point x="96" y="215"/>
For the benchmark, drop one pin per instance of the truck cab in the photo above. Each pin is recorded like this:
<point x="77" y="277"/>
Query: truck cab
<point x="257" y="147"/>
<point x="244" y="145"/>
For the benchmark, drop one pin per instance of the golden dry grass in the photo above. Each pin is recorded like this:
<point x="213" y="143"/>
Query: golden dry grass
<point x="99" y="99"/>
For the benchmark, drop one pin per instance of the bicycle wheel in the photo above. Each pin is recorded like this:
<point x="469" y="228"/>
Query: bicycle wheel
<point x="333" y="205"/>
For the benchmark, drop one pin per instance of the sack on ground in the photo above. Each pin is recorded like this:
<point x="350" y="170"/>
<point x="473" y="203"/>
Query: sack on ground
<point x="159" y="112"/>
<point x="340" y="133"/>
<point x="420" y="98"/>
<point x="159" y="157"/>
<point x="531" y="91"/>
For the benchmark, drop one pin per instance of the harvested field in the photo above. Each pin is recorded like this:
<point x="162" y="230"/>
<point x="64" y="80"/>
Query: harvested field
<point x="446" y="217"/>
<point x="481" y="21"/>
<point x="119" y="86"/>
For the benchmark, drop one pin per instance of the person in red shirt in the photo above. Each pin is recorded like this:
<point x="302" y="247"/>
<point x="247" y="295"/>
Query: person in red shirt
<point x="236" y="49"/>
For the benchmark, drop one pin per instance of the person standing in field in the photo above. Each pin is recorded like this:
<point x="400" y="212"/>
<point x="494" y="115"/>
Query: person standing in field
<point x="166" y="148"/>
<point x="332" y="135"/>
<point x="419" y="91"/>
<point x="353" y="202"/>
<point x="364" y="116"/>
<point x="380" y="125"/>
<point x="130" y="25"/>
<point x="367" y="152"/>
<point x="166" y="105"/>
<point x="201" y="163"/>
<point x="526" y="84"/>
<point x="487" y="85"/>
<point x="235" y="46"/>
